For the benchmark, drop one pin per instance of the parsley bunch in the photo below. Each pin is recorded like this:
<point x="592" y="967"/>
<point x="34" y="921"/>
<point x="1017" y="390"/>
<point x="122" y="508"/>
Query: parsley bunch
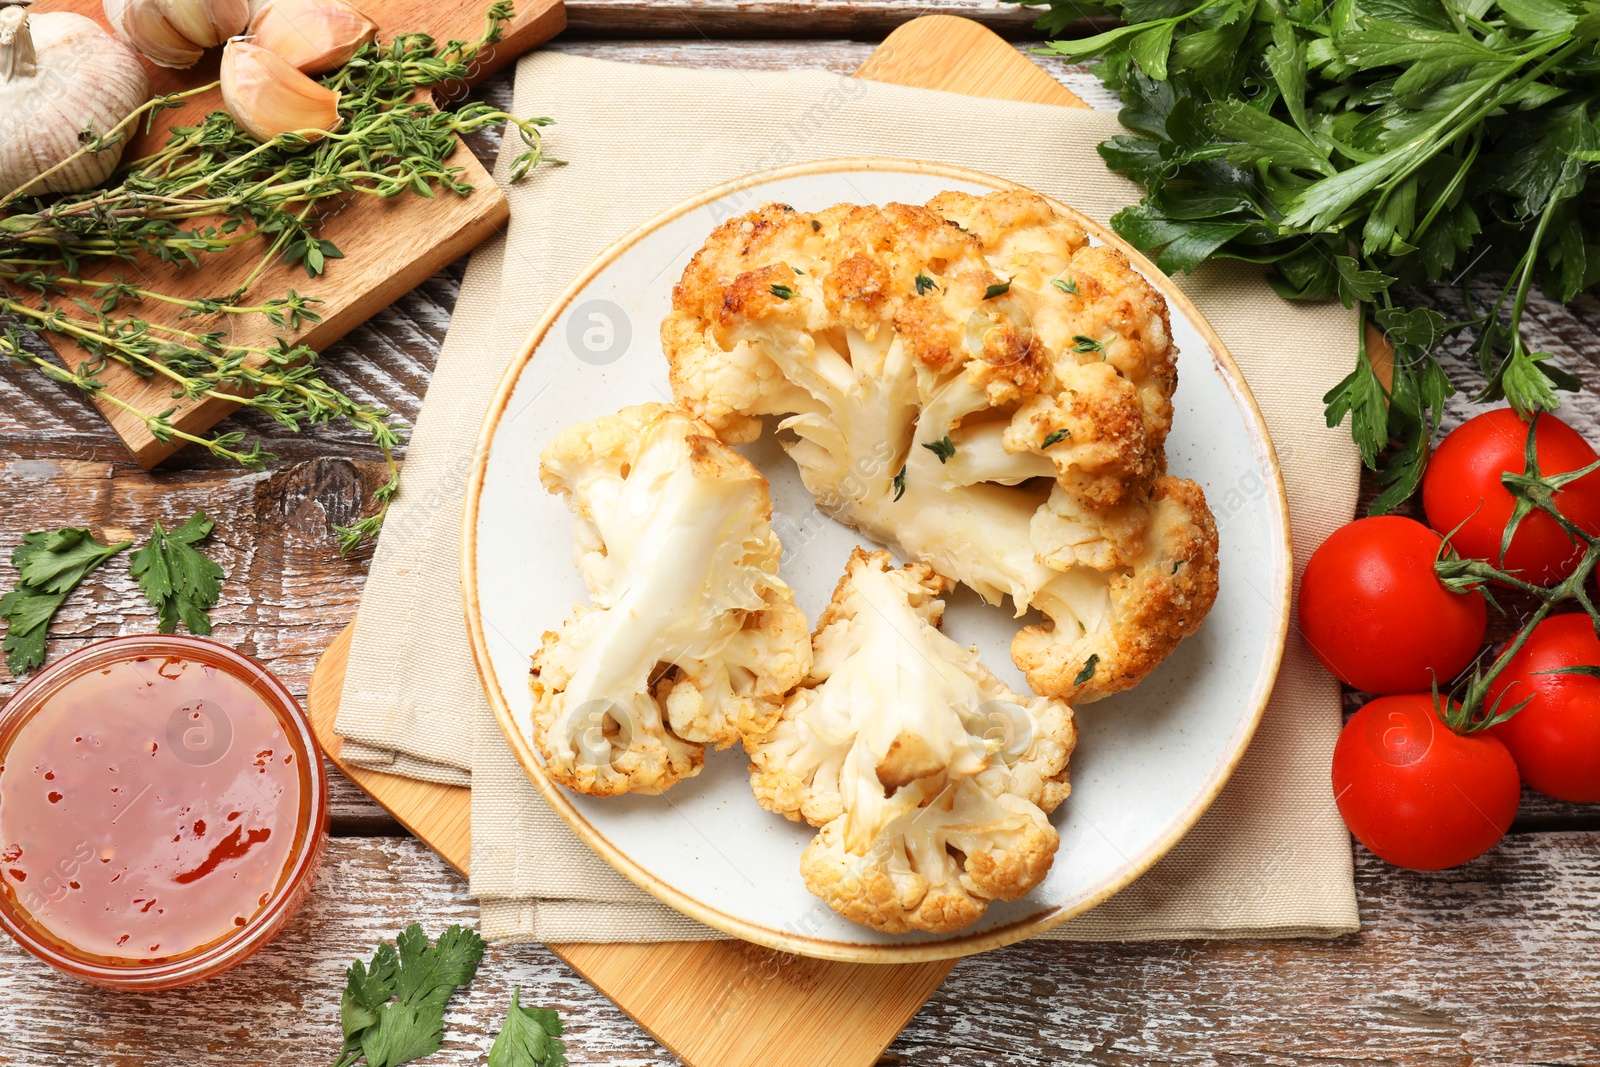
<point x="1359" y="147"/>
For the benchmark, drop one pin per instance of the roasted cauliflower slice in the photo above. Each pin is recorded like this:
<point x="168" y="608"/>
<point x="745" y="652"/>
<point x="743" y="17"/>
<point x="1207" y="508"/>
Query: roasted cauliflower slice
<point x="929" y="778"/>
<point x="691" y="638"/>
<point x="975" y="383"/>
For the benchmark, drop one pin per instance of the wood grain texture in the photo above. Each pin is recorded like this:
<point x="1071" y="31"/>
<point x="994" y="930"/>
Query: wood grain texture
<point x="390" y="246"/>
<point x="960" y="56"/>
<point x="860" y="19"/>
<point x="1489" y="965"/>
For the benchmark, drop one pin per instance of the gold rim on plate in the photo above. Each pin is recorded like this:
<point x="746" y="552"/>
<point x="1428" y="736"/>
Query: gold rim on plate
<point x="786" y="940"/>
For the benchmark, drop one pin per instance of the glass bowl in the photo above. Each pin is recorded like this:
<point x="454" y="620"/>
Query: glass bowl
<point x="204" y="769"/>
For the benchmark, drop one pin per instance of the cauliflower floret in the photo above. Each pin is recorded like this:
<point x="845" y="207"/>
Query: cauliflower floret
<point x="939" y="858"/>
<point x="692" y="639"/>
<point x="929" y="778"/>
<point x="975" y="383"/>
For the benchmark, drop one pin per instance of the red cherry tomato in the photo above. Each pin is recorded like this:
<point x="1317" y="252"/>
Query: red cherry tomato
<point x="1416" y="793"/>
<point x="1462" y="488"/>
<point x="1375" y="614"/>
<point x="1556" y="738"/>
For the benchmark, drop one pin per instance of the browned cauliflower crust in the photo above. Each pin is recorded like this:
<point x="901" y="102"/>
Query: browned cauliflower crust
<point x="975" y="383"/>
<point x="692" y="639"/>
<point x="929" y="778"/>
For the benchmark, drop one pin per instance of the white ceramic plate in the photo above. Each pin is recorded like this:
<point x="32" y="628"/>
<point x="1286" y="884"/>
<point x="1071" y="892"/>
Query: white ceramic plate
<point x="1148" y="761"/>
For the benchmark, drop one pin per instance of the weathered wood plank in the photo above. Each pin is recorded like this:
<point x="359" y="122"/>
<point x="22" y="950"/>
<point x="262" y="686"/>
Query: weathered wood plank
<point x="857" y="19"/>
<point x="1490" y="964"/>
<point x="840" y="57"/>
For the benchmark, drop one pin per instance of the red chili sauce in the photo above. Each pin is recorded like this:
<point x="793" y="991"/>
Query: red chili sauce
<point x="148" y="809"/>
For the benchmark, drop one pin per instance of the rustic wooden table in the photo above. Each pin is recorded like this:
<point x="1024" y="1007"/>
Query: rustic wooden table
<point x="1493" y="963"/>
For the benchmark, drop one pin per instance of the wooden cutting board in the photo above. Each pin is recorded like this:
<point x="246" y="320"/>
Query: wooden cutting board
<point x="390" y="246"/>
<point x="727" y="1003"/>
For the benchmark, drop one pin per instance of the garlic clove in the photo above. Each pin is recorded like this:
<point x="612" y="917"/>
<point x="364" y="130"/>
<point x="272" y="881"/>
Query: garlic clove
<point x="313" y="35"/>
<point x="267" y="96"/>
<point x="175" y="33"/>
<point x="143" y="24"/>
<point x="206" y="23"/>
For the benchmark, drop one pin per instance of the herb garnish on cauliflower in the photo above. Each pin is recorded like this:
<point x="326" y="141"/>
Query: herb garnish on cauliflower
<point x="929" y="778"/>
<point x="973" y="382"/>
<point x="692" y="639"/>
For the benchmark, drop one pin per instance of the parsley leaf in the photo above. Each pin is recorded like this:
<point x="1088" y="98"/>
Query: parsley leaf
<point x="925" y="283"/>
<point x="1088" y="669"/>
<point x="50" y="565"/>
<point x="528" y="1039"/>
<point x="392" y="1009"/>
<point x="181" y="583"/>
<point x="1056" y="436"/>
<point x="783" y="292"/>
<point x="943" y="448"/>
<point x="997" y="289"/>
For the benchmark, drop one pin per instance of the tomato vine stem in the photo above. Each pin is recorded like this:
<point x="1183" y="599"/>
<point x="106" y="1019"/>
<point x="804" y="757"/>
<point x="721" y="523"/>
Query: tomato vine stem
<point x="1467" y="709"/>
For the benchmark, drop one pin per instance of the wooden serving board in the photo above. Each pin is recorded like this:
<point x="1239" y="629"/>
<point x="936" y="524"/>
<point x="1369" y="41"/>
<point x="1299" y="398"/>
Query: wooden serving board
<point x="390" y="246"/>
<point x="727" y="1003"/>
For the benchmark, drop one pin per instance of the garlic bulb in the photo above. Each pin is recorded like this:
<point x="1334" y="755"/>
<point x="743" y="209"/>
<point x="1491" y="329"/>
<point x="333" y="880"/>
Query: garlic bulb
<point x="313" y="35"/>
<point x="61" y="75"/>
<point x="175" y="33"/>
<point x="267" y="96"/>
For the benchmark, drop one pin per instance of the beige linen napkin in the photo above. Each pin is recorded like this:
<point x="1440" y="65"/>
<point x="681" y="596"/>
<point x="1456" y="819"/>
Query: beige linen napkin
<point x="1270" y="858"/>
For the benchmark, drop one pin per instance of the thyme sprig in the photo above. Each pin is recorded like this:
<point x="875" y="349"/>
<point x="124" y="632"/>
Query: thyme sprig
<point x="211" y="188"/>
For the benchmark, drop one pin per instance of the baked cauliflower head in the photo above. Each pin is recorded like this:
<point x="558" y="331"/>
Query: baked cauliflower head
<point x="691" y="638"/>
<point x="930" y="779"/>
<point x="973" y="382"/>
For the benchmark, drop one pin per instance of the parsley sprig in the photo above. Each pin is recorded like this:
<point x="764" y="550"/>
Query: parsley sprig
<point x="392" y="1009"/>
<point x="176" y="578"/>
<point x="1360" y="147"/>
<point x="529" y="1038"/>
<point x="50" y="565"/>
